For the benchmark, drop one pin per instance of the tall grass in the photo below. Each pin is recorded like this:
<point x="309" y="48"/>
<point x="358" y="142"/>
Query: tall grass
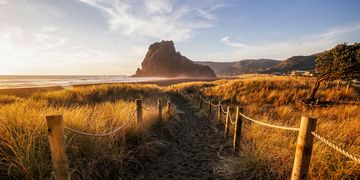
<point x="269" y="153"/>
<point x="24" y="149"/>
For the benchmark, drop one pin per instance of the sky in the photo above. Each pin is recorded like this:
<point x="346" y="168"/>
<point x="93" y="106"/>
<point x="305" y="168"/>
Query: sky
<point x="111" y="37"/>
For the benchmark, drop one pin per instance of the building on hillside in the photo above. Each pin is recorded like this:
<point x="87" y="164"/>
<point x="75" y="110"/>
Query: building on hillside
<point x="302" y="73"/>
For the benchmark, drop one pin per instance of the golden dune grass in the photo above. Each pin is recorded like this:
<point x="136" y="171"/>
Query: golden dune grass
<point x="269" y="153"/>
<point x="24" y="150"/>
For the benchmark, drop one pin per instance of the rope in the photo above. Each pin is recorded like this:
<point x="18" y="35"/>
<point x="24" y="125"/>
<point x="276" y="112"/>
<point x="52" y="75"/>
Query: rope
<point x="222" y="109"/>
<point x="230" y="120"/>
<point x="148" y="108"/>
<point x="102" y="135"/>
<point x="215" y="105"/>
<point x="355" y="85"/>
<point x="335" y="147"/>
<point x="270" y="125"/>
<point x="207" y="102"/>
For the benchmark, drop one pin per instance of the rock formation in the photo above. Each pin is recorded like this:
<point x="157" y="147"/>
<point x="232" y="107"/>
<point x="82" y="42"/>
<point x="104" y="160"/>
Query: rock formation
<point x="162" y="60"/>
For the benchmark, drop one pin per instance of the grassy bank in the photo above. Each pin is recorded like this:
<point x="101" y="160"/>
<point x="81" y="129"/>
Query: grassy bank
<point x="269" y="153"/>
<point x="24" y="150"/>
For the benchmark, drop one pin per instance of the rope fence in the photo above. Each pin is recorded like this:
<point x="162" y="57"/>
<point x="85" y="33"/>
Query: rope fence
<point x="306" y="134"/>
<point x="269" y="125"/>
<point x="335" y="147"/>
<point x="56" y="135"/>
<point x="102" y="135"/>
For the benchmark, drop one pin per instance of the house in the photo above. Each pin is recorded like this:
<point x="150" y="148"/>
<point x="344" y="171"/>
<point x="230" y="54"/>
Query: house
<point x="302" y="73"/>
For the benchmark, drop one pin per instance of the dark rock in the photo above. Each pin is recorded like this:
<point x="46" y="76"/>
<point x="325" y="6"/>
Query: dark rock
<point x="162" y="60"/>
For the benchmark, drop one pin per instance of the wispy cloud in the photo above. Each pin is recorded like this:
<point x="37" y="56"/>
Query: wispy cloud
<point x="226" y="40"/>
<point x="301" y="46"/>
<point x="3" y="2"/>
<point x="49" y="29"/>
<point x="162" y="19"/>
<point x="49" y="41"/>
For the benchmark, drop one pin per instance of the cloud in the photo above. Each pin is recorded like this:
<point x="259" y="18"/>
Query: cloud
<point x="49" y="41"/>
<point x="226" y="41"/>
<point x="49" y="29"/>
<point x="300" y="46"/>
<point x="162" y="19"/>
<point x="3" y="2"/>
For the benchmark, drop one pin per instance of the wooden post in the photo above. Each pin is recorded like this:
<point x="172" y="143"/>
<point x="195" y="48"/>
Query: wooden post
<point x="168" y="108"/>
<point x="192" y="99"/>
<point x="219" y="113"/>
<point x="56" y="139"/>
<point x="237" y="129"/>
<point x="160" y="109"/>
<point x="348" y="86"/>
<point x="303" y="148"/>
<point x="209" y="108"/>
<point x="200" y="103"/>
<point x="139" y="117"/>
<point x="227" y="122"/>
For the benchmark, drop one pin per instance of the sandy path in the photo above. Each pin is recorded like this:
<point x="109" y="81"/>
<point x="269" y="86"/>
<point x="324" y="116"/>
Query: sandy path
<point x="191" y="148"/>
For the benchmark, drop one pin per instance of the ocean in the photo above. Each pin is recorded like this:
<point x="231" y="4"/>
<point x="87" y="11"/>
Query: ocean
<point x="22" y="81"/>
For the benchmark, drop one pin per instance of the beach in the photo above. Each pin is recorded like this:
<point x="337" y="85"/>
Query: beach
<point x="27" y="90"/>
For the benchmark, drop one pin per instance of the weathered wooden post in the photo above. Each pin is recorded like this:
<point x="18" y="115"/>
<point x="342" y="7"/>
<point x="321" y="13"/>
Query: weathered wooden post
<point x="139" y="117"/>
<point x="303" y="148"/>
<point x="168" y="110"/>
<point x="160" y="109"/>
<point x="56" y="139"/>
<point x="237" y="129"/>
<point x="209" y="108"/>
<point x="348" y="86"/>
<point x="219" y="113"/>
<point x="200" y="102"/>
<point x="226" y="133"/>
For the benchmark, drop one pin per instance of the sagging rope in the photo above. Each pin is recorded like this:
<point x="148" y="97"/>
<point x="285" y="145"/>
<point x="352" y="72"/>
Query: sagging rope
<point x="230" y="120"/>
<point x="270" y="125"/>
<point x="222" y="109"/>
<point x="215" y="105"/>
<point x="207" y="102"/>
<point x="335" y="147"/>
<point x="106" y="134"/>
<point x="146" y="108"/>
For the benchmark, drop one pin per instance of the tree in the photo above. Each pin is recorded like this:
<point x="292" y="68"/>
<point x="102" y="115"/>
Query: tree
<point x="340" y="62"/>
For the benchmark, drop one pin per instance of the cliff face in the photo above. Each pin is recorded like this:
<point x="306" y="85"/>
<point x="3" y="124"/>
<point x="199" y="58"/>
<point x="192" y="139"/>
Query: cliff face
<point x="162" y="60"/>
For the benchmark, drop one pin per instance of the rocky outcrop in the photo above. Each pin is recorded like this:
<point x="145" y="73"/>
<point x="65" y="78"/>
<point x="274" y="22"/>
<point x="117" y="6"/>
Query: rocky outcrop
<point x="162" y="60"/>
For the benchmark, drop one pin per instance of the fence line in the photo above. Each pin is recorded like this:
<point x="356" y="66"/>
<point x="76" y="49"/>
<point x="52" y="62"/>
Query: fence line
<point x="106" y="134"/>
<point x="356" y="85"/>
<point x="269" y="125"/>
<point x="304" y="142"/>
<point x="56" y="136"/>
<point x="147" y="108"/>
<point x="207" y="102"/>
<point x="335" y="147"/>
<point x="215" y="105"/>
<point x="222" y="109"/>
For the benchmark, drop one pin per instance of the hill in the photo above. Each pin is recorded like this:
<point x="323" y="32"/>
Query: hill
<point x="264" y="66"/>
<point x="240" y="67"/>
<point x="294" y="63"/>
<point x="162" y="60"/>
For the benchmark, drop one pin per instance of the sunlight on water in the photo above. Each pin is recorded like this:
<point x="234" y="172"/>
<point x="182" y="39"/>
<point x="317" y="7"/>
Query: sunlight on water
<point x="67" y="82"/>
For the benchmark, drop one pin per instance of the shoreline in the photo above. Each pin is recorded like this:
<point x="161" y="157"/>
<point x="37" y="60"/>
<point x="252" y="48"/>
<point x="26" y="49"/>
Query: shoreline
<point x="28" y="91"/>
